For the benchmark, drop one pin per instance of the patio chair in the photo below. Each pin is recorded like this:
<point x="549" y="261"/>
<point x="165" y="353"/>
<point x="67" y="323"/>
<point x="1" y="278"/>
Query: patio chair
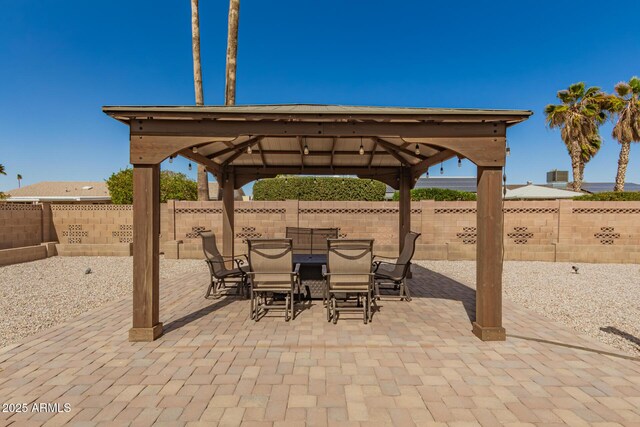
<point x="270" y="262"/>
<point x="348" y="271"/>
<point x="221" y="276"/>
<point x="394" y="274"/>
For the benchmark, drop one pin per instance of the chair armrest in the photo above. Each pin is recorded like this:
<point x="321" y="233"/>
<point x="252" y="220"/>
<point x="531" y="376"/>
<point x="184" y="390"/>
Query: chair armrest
<point x="291" y="273"/>
<point x="346" y="274"/>
<point x="389" y="263"/>
<point x="324" y="270"/>
<point x="296" y="270"/>
<point x="385" y="257"/>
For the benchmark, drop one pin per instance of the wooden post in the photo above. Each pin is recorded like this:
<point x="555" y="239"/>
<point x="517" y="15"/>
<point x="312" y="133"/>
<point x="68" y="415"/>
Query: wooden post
<point x="404" y="226"/>
<point x="490" y="222"/>
<point x="228" y="202"/>
<point x="146" y="253"/>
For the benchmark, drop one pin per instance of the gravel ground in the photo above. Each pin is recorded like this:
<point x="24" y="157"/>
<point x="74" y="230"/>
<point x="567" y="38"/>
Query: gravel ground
<point x="40" y="294"/>
<point x="602" y="300"/>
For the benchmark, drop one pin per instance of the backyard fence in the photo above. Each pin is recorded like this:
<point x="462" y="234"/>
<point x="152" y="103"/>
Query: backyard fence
<point x="534" y="230"/>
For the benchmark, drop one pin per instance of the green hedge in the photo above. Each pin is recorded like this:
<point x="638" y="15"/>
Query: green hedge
<point x="438" y="194"/>
<point x="173" y="186"/>
<point x="611" y="196"/>
<point x="310" y="188"/>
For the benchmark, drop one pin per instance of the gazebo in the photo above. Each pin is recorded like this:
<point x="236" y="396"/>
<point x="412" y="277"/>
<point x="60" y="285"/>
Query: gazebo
<point x="239" y="144"/>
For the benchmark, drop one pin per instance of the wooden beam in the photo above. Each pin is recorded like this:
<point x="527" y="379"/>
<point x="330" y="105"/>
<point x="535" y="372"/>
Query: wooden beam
<point x="146" y="253"/>
<point x="210" y="165"/>
<point x="262" y="158"/>
<point x="237" y="147"/>
<point x="390" y="179"/>
<point x="333" y="149"/>
<point x="403" y="150"/>
<point x="214" y="129"/>
<point x="396" y="155"/>
<point x="404" y="223"/>
<point x="490" y="222"/>
<point x="422" y="167"/>
<point x="228" y="201"/>
<point x="373" y="152"/>
<point x="315" y="170"/>
<point x="299" y="138"/>
<point x="238" y="153"/>
<point x="321" y="153"/>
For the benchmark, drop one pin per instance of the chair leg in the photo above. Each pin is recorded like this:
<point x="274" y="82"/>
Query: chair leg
<point x="365" y="315"/>
<point x="252" y="314"/>
<point x="334" y="311"/>
<point x="209" y="289"/>
<point x="405" y="289"/>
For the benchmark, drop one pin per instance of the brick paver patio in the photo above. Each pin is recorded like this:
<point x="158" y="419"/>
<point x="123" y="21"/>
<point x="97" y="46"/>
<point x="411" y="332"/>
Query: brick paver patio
<point x="416" y="363"/>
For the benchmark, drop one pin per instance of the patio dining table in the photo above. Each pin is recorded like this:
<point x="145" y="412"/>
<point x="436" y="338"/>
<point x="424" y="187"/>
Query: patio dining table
<point x="311" y="273"/>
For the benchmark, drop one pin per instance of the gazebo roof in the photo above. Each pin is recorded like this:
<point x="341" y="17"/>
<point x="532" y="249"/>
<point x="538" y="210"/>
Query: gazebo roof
<point x="264" y="140"/>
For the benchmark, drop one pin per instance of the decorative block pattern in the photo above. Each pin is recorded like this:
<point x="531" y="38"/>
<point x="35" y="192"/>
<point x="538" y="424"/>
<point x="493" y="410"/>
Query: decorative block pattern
<point x="19" y="207"/>
<point x="124" y="234"/>
<point x="520" y="235"/>
<point x="469" y="235"/>
<point x="89" y="207"/>
<point x="198" y="210"/>
<point x="259" y="211"/>
<point x="607" y="235"/>
<point x="195" y="232"/>
<point x="531" y="210"/>
<point x="450" y="211"/>
<point x="606" y="210"/>
<point x="248" y="233"/>
<point x="357" y="211"/>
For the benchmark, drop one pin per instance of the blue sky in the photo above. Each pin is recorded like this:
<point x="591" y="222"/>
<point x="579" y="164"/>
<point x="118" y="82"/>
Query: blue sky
<point x="62" y="61"/>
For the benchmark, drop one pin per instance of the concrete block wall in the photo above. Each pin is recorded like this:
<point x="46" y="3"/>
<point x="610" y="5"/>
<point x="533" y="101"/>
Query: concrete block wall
<point x="534" y="230"/>
<point x="93" y="230"/>
<point x="20" y="225"/>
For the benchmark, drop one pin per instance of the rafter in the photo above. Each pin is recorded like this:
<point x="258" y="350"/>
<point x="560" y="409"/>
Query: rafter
<point x="400" y="149"/>
<point x="333" y="149"/>
<point x="210" y="165"/>
<point x="422" y="167"/>
<point x="262" y="158"/>
<point x="321" y="153"/>
<point x="240" y="146"/>
<point x="373" y="152"/>
<point x="238" y="153"/>
<point x="396" y="155"/>
<point x="299" y="138"/>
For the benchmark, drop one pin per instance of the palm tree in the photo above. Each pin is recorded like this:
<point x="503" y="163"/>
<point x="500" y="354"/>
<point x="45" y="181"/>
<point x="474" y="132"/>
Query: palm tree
<point x="203" y="178"/>
<point x="19" y="179"/>
<point x="579" y="117"/>
<point x="232" y="56"/>
<point x="232" y="52"/>
<point x="626" y="106"/>
<point x="2" y="172"/>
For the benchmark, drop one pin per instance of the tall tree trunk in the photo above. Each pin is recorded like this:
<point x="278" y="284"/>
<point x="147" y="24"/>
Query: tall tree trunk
<point x="577" y="167"/>
<point x="232" y="52"/>
<point x="623" y="161"/>
<point x="203" y="178"/>
<point x="232" y="57"/>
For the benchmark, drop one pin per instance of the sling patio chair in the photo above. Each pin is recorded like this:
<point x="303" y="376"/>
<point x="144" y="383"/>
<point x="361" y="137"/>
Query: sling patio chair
<point x="221" y="276"/>
<point x="270" y="263"/>
<point x="394" y="274"/>
<point x="348" y="271"/>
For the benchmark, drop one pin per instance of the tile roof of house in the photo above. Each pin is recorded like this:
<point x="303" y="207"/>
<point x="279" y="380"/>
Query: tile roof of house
<point x="61" y="190"/>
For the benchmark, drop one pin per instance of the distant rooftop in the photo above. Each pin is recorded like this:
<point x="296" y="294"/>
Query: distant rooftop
<point x="601" y="187"/>
<point x="45" y="191"/>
